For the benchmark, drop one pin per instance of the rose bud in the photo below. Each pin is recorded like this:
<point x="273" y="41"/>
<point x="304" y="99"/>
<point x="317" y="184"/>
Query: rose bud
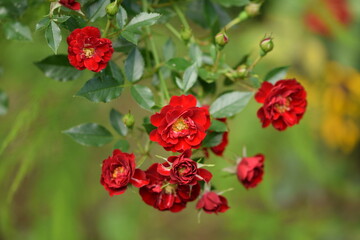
<point x="211" y="202"/>
<point x="118" y="171"/>
<point x="186" y="34"/>
<point x="71" y="4"/>
<point x="112" y="9"/>
<point x="250" y="170"/>
<point x="129" y="120"/>
<point x="221" y="39"/>
<point x="266" y="45"/>
<point x="242" y="71"/>
<point x="163" y="195"/>
<point x="181" y="125"/>
<point x="284" y="103"/>
<point x="184" y="170"/>
<point x="88" y="50"/>
<point x="252" y="9"/>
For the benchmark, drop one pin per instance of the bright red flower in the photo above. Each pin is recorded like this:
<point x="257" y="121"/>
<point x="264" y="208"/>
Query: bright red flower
<point x="180" y="125"/>
<point x="118" y="171"/>
<point x="250" y="170"/>
<point x="88" y="50"/>
<point x="211" y="202"/>
<point x="184" y="170"/>
<point x="284" y="103"/>
<point x="163" y="195"/>
<point x="340" y="11"/>
<point x="72" y="4"/>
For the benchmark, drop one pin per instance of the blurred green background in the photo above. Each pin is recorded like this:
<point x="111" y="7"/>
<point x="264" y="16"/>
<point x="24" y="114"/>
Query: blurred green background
<point x="49" y="185"/>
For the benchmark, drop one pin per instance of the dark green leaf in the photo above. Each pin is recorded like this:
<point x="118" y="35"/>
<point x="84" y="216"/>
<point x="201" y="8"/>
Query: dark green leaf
<point x="58" y="67"/>
<point x="178" y="64"/>
<point x="218" y="126"/>
<point x="212" y="139"/>
<point x="141" y="20"/>
<point x="143" y="96"/>
<point x="134" y="66"/>
<point x="276" y="74"/>
<point x="90" y="134"/>
<point x="147" y="125"/>
<point x="190" y="77"/>
<point x="17" y="31"/>
<point x="123" y="45"/>
<point x="121" y="17"/>
<point x="122" y="145"/>
<point x="96" y="9"/>
<point x="117" y="123"/>
<point x="73" y="23"/>
<point x="229" y="104"/>
<point x="42" y="24"/>
<point x="105" y="86"/>
<point x="53" y="36"/>
<point x="132" y="37"/>
<point x="229" y="3"/>
<point x="4" y="103"/>
<point x="60" y="19"/>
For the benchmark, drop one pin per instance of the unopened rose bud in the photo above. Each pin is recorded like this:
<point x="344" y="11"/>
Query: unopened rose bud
<point x="112" y="9"/>
<point x="221" y="39"/>
<point x="242" y="71"/>
<point x="266" y="45"/>
<point x="186" y="34"/>
<point x="252" y="9"/>
<point x="129" y="120"/>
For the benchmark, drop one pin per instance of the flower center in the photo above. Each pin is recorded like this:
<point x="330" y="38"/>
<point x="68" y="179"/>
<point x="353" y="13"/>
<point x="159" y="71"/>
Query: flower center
<point x="182" y="170"/>
<point x="179" y="125"/>
<point x="284" y="106"/>
<point x="118" y="171"/>
<point x="89" y="52"/>
<point x="169" y="188"/>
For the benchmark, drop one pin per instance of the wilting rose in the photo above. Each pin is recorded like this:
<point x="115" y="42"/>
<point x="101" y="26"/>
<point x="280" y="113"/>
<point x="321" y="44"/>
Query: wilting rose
<point x="180" y="125"/>
<point x="284" y="103"/>
<point x="72" y="4"/>
<point x="250" y="170"/>
<point x="88" y="50"/>
<point x="163" y="195"/>
<point x="211" y="202"/>
<point x="184" y="170"/>
<point x="118" y="171"/>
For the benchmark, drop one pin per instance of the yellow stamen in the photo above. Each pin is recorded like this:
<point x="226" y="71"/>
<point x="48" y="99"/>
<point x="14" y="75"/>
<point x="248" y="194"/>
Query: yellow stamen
<point x="179" y="125"/>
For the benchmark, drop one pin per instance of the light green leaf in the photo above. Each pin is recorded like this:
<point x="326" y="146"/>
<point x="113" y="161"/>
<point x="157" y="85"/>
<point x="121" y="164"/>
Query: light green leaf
<point x="276" y="74"/>
<point x="143" y="96"/>
<point x="117" y="123"/>
<point x="121" y="17"/>
<point x="196" y="54"/>
<point x="122" y="145"/>
<point x="229" y="104"/>
<point x="17" y="31"/>
<point x="4" y="102"/>
<point x="141" y="20"/>
<point x="96" y="9"/>
<point x="190" y="77"/>
<point x="90" y="134"/>
<point x="58" y="67"/>
<point x="53" y="36"/>
<point x="178" y="64"/>
<point x="169" y="49"/>
<point x="42" y="24"/>
<point x="134" y="65"/>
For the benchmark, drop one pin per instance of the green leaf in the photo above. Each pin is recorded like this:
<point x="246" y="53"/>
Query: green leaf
<point x="131" y="36"/>
<point x="208" y="76"/>
<point x="141" y="20"/>
<point x="229" y="3"/>
<point x="53" y="36"/>
<point x="105" y="86"/>
<point x="17" y="31"/>
<point x="121" y="17"/>
<point x="218" y="126"/>
<point x="58" y="67"/>
<point x="143" y="96"/>
<point x="190" y="77"/>
<point x="229" y="104"/>
<point x="147" y="125"/>
<point x="73" y="23"/>
<point x="117" y="123"/>
<point x="122" y="145"/>
<point x="60" y="19"/>
<point x="96" y="9"/>
<point x="90" y="134"/>
<point x="196" y="54"/>
<point x="42" y="24"/>
<point x="178" y="64"/>
<point x="169" y="49"/>
<point x="4" y="102"/>
<point x="276" y="74"/>
<point x="134" y="66"/>
<point x="212" y="139"/>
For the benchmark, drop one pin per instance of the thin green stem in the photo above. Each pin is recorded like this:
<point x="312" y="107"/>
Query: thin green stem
<point x="253" y="64"/>
<point x="181" y="16"/>
<point x="108" y="24"/>
<point x="217" y="61"/>
<point x="173" y="30"/>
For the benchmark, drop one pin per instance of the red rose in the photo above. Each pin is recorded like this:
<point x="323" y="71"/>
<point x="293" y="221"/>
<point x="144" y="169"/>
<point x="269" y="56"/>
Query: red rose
<point x="87" y="50"/>
<point x="184" y="170"/>
<point x="339" y="9"/>
<point x="211" y="202"/>
<point x="250" y="170"/>
<point x="180" y="125"/>
<point x="72" y="4"/>
<point x="284" y="103"/>
<point x="118" y="171"/>
<point x="163" y="195"/>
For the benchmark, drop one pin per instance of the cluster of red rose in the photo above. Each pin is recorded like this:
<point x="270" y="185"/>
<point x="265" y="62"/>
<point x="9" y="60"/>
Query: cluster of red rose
<point x="181" y="126"/>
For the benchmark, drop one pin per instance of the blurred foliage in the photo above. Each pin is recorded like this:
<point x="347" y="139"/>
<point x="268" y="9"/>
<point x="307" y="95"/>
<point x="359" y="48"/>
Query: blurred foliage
<point x="49" y="185"/>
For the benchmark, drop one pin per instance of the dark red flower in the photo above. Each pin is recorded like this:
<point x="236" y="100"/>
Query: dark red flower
<point x="163" y="195"/>
<point x="180" y="125"/>
<point x="184" y="170"/>
<point x="88" y="50"/>
<point x="211" y="202"/>
<point x="339" y="10"/>
<point x="284" y="103"/>
<point x="72" y="4"/>
<point x="118" y="171"/>
<point x="250" y="170"/>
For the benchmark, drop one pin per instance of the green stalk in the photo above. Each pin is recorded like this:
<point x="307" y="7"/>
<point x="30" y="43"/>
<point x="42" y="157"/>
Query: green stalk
<point x="181" y="16"/>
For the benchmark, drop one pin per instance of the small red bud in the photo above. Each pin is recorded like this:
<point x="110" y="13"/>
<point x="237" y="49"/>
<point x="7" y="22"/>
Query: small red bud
<point x="266" y="45"/>
<point x="221" y="39"/>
